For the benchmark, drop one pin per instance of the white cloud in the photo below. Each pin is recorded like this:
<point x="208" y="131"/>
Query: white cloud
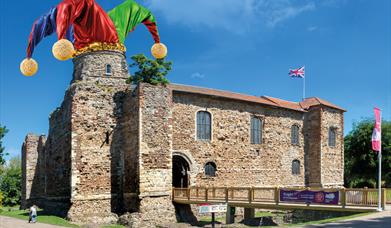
<point x="236" y="16"/>
<point x="311" y="28"/>
<point x="197" y="75"/>
<point x="280" y="11"/>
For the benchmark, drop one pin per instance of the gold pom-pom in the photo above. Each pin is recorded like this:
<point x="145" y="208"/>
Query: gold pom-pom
<point x="28" y="67"/>
<point x="159" y="50"/>
<point x="63" y="49"/>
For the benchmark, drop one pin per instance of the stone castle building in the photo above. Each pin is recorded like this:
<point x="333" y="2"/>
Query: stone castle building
<point x="114" y="148"/>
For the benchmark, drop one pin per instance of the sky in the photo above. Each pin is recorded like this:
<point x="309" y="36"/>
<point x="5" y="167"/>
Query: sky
<point x="245" y="46"/>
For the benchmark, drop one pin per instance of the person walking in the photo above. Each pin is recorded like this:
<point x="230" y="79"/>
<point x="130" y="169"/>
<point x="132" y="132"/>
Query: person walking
<point x="33" y="214"/>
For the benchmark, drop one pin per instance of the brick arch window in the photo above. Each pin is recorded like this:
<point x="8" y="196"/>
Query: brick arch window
<point x="256" y="130"/>
<point x="210" y="169"/>
<point x="295" y="134"/>
<point x="295" y="167"/>
<point x="332" y="136"/>
<point x="108" y="70"/>
<point x="204" y="125"/>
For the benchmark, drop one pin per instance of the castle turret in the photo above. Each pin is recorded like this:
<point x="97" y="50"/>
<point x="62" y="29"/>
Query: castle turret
<point x="96" y="169"/>
<point x="33" y="170"/>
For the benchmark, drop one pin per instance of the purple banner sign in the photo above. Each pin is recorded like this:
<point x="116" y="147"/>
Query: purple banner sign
<point x="307" y="196"/>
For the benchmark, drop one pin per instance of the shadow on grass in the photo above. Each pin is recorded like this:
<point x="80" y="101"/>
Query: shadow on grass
<point x="259" y="221"/>
<point x="206" y="223"/>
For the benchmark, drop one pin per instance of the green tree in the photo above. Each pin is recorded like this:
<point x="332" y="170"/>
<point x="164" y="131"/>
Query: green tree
<point x="3" y="131"/>
<point x="361" y="163"/>
<point x="152" y="71"/>
<point x="11" y="182"/>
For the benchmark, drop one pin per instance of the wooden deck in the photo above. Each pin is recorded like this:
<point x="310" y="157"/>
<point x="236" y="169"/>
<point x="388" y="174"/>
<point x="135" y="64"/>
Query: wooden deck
<point x="357" y="200"/>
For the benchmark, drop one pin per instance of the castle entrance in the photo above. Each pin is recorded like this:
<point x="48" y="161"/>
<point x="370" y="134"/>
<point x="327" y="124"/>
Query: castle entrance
<point x="180" y="172"/>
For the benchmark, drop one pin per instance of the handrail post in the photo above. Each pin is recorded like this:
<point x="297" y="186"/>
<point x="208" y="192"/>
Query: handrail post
<point x="383" y="198"/>
<point x="214" y="193"/>
<point x="206" y="194"/>
<point x="343" y="197"/>
<point x="173" y="194"/>
<point x="277" y="195"/>
<point x="365" y="196"/>
<point x="188" y="194"/>
<point x="197" y="192"/>
<point x="226" y="194"/>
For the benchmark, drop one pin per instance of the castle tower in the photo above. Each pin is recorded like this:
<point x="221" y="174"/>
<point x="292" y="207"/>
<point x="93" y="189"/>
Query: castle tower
<point x="96" y="155"/>
<point x="109" y="148"/>
<point x="120" y="162"/>
<point x="323" y="143"/>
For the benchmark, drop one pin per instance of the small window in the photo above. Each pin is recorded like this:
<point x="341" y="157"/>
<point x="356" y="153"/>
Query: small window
<point x="296" y="167"/>
<point x="210" y="169"/>
<point x="256" y="130"/>
<point x="332" y="136"/>
<point x="295" y="135"/>
<point x="108" y="69"/>
<point x="203" y="125"/>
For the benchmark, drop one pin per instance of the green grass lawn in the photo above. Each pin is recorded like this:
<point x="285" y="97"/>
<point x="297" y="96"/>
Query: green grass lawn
<point x="54" y="220"/>
<point x="42" y="217"/>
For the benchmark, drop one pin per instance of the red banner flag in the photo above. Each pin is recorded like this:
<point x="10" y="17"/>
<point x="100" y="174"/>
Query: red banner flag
<point x="376" y="134"/>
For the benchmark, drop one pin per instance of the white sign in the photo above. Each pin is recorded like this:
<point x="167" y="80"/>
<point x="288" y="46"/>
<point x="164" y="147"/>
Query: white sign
<point x="214" y="208"/>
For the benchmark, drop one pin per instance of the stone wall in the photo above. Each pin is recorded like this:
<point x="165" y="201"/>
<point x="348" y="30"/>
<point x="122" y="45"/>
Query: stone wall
<point x="325" y="163"/>
<point x="58" y="146"/>
<point x="33" y="170"/>
<point x="97" y="156"/>
<point x="155" y="154"/>
<point x="312" y="147"/>
<point x="92" y="66"/>
<point x="131" y="151"/>
<point x="266" y="164"/>
<point x="332" y="156"/>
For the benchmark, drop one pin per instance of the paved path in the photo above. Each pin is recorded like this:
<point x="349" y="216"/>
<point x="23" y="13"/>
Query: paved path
<point x="8" y="222"/>
<point x="374" y="220"/>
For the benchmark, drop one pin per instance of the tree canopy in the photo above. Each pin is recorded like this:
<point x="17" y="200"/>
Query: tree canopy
<point x="361" y="163"/>
<point x="151" y="71"/>
<point x="11" y="182"/>
<point x="3" y="131"/>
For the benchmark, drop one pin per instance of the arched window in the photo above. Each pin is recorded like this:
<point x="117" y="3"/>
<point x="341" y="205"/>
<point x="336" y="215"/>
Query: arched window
<point x="203" y="125"/>
<point x="256" y="130"/>
<point x="332" y="136"/>
<point x="295" y="134"/>
<point x="295" y="167"/>
<point x="210" y="169"/>
<point x="108" y="70"/>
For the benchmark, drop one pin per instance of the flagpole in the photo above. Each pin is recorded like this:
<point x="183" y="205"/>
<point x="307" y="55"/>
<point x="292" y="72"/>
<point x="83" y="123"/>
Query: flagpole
<point x="379" y="177"/>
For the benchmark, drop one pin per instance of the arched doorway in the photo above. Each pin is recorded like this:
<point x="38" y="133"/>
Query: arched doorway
<point x="180" y="172"/>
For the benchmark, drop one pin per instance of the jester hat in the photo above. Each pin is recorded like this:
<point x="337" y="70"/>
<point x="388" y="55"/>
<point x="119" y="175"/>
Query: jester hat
<point x="83" y="24"/>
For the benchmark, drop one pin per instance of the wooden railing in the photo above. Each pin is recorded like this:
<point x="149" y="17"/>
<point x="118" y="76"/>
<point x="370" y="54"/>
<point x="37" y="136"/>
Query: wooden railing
<point x="348" y="197"/>
<point x="388" y="196"/>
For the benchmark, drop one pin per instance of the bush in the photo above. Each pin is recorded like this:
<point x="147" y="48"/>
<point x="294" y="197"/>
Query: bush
<point x="1" y="200"/>
<point x="11" y="182"/>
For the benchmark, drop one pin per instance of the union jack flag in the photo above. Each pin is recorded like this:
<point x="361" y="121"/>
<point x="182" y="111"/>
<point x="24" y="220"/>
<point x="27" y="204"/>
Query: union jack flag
<point x="298" y="73"/>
